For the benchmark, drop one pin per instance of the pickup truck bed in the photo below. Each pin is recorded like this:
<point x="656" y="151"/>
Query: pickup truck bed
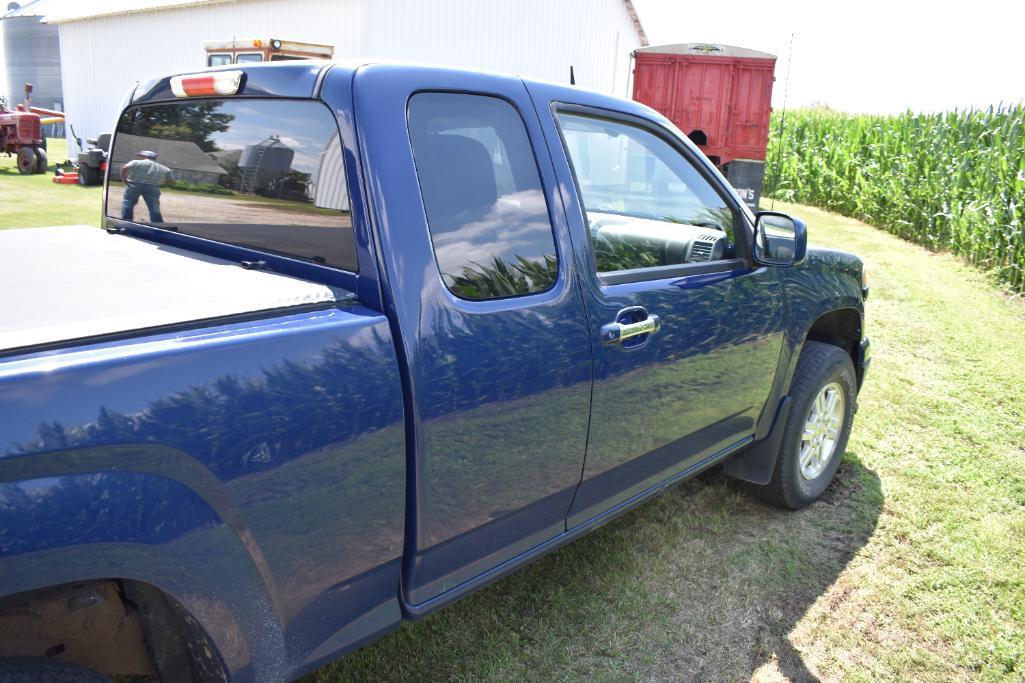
<point x="131" y="285"/>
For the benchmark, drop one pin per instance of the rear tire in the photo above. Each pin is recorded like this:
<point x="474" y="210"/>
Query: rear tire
<point x="43" y="670"/>
<point x="87" y="175"/>
<point x="823" y="391"/>
<point x="41" y="161"/>
<point x="27" y="162"/>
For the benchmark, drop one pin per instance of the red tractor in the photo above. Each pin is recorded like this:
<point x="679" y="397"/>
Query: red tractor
<point x="21" y="133"/>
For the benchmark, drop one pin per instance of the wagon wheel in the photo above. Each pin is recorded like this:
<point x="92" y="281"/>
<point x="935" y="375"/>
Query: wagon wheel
<point x="27" y="163"/>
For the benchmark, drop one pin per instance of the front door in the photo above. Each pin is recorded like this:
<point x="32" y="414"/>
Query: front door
<point x="686" y="334"/>
<point x="477" y="259"/>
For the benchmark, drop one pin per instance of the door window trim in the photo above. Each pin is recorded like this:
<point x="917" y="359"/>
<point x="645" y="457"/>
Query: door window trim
<point x="742" y="225"/>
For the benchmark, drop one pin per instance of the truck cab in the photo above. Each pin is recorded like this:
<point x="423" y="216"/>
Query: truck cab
<point x="254" y="50"/>
<point x="394" y="332"/>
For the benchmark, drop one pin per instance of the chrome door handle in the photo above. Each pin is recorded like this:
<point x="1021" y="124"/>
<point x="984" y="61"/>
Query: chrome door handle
<point x="617" y="332"/>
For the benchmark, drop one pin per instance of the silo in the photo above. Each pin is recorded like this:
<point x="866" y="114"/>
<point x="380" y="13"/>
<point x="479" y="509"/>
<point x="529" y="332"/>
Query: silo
<point x="263" y="164"/>
<point x="31" y="55"/>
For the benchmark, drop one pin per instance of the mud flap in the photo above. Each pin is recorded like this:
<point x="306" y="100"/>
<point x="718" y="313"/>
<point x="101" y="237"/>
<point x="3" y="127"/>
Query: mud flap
<point x="757" y="462"/>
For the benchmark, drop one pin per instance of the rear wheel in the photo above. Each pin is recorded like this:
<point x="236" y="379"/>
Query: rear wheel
<point x="27" y="162"/>
<point x="41" y="162"/>
<point x="87" y="175"/>
<point x="823" y="392"/>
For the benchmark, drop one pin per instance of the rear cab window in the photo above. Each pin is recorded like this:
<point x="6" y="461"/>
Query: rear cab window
<point x="261" y="174"/>
<point x="485" y="206"/>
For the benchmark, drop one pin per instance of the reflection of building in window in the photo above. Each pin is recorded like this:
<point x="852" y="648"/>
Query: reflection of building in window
<point x="186" y="160"/>
<point x="329" y="191"/>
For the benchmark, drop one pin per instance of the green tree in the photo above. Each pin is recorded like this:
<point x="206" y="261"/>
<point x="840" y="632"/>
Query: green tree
<point x="193" y="121"/>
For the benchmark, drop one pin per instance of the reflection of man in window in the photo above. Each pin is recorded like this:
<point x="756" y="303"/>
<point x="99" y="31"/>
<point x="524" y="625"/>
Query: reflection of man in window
<point x="143" y="178"/>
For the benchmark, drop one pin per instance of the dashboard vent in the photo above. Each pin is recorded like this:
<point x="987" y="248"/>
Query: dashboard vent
<point x="701" y="250"/>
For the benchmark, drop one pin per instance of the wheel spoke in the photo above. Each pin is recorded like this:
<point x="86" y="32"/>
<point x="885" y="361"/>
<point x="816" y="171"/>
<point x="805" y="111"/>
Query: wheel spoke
<point x="831" y="397"/>
<point x="821" y="431"/>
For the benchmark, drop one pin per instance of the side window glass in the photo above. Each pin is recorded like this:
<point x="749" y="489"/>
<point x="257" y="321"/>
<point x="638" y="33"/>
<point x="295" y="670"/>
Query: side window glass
<point x="647" y="206"/>
<point x="486" y="211"/>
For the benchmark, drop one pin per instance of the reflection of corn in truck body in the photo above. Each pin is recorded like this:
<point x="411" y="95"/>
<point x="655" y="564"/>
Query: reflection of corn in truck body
<point x="243" y="50"/>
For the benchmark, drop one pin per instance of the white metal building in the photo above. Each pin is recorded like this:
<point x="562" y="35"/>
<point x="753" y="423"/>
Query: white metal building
<point x="106" y="47"/>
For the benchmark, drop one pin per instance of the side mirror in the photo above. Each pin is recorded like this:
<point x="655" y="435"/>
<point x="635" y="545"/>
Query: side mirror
<point x="780" y="240"/>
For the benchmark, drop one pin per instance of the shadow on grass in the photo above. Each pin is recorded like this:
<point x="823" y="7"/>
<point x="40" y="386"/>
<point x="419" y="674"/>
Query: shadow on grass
<point x="704" y="582"/>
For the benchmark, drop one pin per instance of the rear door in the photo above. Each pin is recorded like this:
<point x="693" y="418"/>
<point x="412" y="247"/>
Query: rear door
<point x="686" y="332"/>
<point x="751" y="92"/>
<point x="497" y="351"/>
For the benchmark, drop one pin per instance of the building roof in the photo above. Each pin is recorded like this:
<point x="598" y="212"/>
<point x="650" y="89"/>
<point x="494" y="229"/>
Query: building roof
<point x="710" y="49"/>
<point x="176" y="154"/>
<point x="76" y="10"/>
<point x="31" y="8"/>
<point x="72" y="10"/>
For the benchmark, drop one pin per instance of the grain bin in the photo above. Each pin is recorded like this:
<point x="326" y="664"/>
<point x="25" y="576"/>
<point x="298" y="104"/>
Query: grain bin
<point x="263" y="164"/>
<point x="31" y="55"/>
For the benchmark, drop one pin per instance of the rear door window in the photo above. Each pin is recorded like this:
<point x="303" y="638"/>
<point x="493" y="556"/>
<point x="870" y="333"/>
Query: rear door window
<point x="486" y="211"/>
<point x="263" y="174"/>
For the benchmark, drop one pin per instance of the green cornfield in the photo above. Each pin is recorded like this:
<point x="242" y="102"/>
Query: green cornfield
<point x="953" y="181"/>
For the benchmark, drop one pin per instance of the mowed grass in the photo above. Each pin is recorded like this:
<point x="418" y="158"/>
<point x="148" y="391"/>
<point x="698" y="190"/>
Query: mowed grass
<point x="911" y="567"/>
<point x="32" y="201"/>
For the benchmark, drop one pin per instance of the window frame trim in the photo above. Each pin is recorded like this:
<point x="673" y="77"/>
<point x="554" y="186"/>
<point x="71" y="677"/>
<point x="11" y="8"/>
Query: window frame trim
<point x="259" y="53"/>
<point x="742" y="223"/>
<point x="211" y="55"/>
<point x="560" y="276"/>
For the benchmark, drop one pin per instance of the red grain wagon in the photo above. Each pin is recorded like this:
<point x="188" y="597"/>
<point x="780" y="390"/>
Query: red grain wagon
<point x="719" y="95"/>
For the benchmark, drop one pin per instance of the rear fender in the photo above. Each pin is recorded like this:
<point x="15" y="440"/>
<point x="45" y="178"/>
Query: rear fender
<point x="104" y="523"/>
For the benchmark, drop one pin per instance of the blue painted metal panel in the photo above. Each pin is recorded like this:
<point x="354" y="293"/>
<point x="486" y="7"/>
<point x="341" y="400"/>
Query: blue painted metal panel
<point x="265" y="457"/>
<point x="827" y="280"/>
<point x="499" y="390"/>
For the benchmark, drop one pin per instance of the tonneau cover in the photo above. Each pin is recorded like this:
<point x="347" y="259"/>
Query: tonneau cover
<point x="72" y="282"/>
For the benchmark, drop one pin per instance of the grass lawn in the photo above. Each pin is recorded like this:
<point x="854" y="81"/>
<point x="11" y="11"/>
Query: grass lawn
<point x="34" y="201"/>
<point x="911" y="567"/>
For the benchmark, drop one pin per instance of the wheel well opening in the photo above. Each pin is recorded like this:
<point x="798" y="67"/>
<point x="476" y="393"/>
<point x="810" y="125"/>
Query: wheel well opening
<point x="698" y="137"/>
<point x="115" y="627"/>
<point x="842" y="328"/>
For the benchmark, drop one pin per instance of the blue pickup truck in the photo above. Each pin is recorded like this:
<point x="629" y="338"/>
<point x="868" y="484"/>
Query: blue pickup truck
<point x="358" y="339"/>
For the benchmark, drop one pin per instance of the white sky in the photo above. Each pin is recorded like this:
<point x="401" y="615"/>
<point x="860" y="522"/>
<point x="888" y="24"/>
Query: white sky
<point x="866" y="56"/>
